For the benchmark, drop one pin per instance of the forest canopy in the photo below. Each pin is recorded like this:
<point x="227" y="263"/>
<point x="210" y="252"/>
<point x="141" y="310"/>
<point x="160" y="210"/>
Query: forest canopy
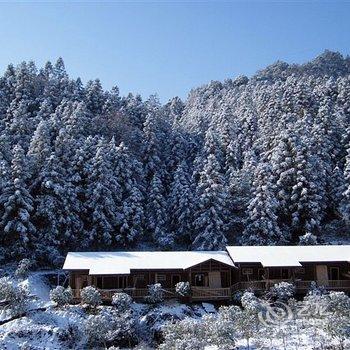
<point x="259" y="160"/>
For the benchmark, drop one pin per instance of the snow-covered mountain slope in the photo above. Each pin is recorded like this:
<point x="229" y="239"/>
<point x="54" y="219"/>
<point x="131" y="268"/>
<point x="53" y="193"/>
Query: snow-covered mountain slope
<point x="259" y="160"/>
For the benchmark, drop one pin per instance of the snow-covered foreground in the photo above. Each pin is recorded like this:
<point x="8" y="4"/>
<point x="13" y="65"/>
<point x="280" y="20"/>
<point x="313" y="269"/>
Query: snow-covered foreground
<point x="45" y="326"/>
<point x="38" y="290"/>
<point x="63" y="328"/>
<point x="145" y="326"/>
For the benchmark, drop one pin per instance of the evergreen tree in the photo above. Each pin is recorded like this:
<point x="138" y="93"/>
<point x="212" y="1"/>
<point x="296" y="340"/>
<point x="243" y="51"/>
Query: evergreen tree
<point x="157" y="214"/>
<point x="284" y="167"/>
<point x="20" y="117"/>
<point x="16" y="221"/>
<point x="262" y="227"/>
<point x="152" y="147"/>
<point x="55" y="217"/>
<point x="130" y="198"/>
<point x="101" y="210"/>
<point x="211" y="213"/>
<point x="266" y="156"/>
<point x="307" y="194"/>
<point x="181" y="204"/>
<point x="41" y="145"/>
<point x="94" y="97"/>
<point x="345" y="203"/>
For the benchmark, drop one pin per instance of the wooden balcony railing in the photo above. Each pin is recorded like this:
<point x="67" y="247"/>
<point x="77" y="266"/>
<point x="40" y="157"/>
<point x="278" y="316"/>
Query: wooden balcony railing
<point x="254" y="285"/>
<point x="336" y="284"/>
<point x="205" y="293"/>
<point x="300" y="285"/>
<point x="136" y="293"/>
<point x="198" y="293"/>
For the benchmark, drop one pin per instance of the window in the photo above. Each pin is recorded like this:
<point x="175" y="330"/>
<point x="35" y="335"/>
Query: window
<point x="175" y="279"/>
<point x="247" y="271"/>
<point x="334" y="272"/>
<point x="299" y="271"/>
<point x="199" y="280"/>
<point x="160" y="278"/>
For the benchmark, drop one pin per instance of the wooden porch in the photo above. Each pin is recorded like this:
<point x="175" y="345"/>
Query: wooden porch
<point x="135" y="293"/>
<point x="197" y="293"/>
<point x="210" y="293"/>
<point x="213" y="294"/>
<point x="301" y="286"/>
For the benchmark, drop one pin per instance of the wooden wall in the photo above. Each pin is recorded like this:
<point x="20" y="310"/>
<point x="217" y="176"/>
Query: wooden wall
<point x="143" y="278"/>
<point x="306" y="273"/>
<point x="229" y="275"/>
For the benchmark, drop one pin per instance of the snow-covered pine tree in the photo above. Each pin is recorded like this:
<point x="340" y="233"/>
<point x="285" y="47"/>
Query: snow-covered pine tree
<point x="41" y="145"/>
<point x="174" y="109"/>
<point x="109" y="122"/>
<point x="133" y="107"/>
<point x="20" y="117"/>
<point x="181" y="204"/>
<point x="261" y="227"/>
<point x="157" y="218"/>
<point x="327" y="146"/>
<point x="152" y="147"/>
<point x="298" y="115"/>
<point x="130" y="198"/>
<point x="209" y="146"/>
<point x="210" y="216"/>
<point x="56" y="82"/>
<point x="345" y="203"/>
<point x="284" y="168"/>
<point x="178" y="150"/>
<point x="232" y="146"/>
<point x="337" y="186"/>
<point x="16" y="222"/>
<point x="56" y="217"/>
<point x="102" y="214"/>
<point x="94" y="96"/>
<point x="308" y="193"/>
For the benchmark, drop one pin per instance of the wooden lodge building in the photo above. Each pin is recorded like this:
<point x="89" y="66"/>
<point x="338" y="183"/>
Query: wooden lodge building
<point x="212" y="275"/>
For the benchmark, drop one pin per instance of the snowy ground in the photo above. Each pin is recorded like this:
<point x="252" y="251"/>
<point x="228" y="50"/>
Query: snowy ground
<point x="37" y="288"/>
<point x="62" y="328"/>
<point x="48" y="327"/>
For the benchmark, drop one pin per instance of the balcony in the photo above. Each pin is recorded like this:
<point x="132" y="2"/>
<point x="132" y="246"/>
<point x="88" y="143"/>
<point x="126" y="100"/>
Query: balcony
<point x="301" y="286"/>
<point x="135" y="293"/>
<point x="217" y="294"/>
<point x="198" y="293"/>
<point x="204" y="293"/>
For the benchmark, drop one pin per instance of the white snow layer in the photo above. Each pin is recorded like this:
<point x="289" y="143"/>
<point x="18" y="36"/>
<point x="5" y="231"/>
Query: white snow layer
<point x="270" y="256"/>
<point x="105" y="263"/>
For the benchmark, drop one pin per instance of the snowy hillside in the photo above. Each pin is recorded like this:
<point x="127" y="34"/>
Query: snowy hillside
<point x="320" y="321"/>
<point x="260" y="160"/>
<point x="43" y="325"/>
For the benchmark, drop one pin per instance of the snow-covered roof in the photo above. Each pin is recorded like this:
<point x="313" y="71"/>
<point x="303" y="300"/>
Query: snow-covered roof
<point x="270" y="256"/>
<point x="110" y="263"/>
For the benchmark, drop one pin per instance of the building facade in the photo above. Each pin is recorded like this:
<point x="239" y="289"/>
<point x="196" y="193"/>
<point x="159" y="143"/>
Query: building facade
<point x="213" y="276"/>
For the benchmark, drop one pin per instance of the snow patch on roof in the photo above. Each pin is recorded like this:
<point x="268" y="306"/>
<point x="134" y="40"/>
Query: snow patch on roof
<point x="109" y="263"/>
<point x="270" y="256"/>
